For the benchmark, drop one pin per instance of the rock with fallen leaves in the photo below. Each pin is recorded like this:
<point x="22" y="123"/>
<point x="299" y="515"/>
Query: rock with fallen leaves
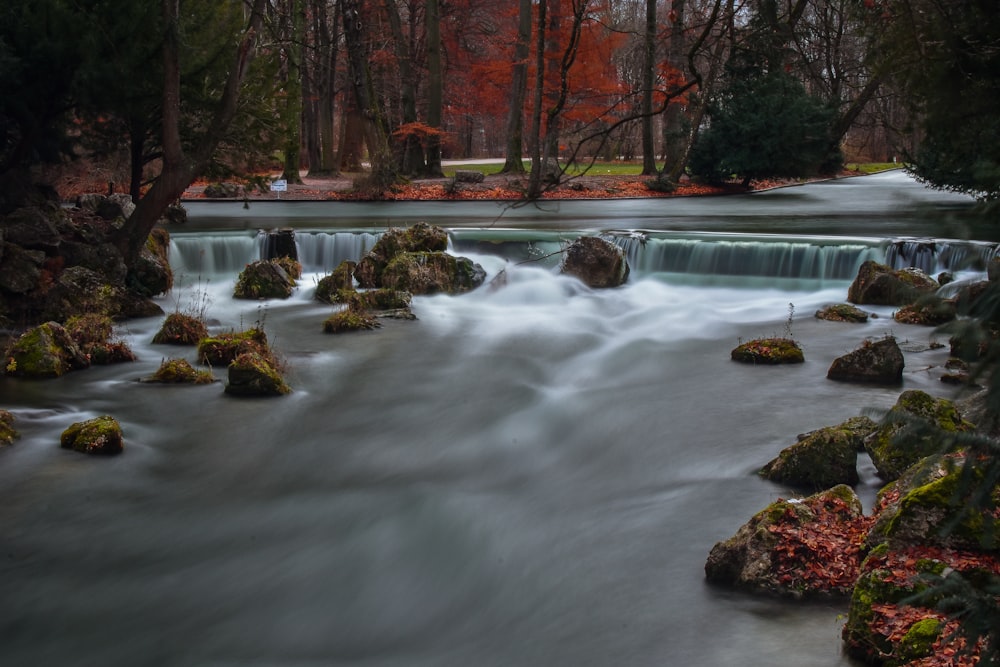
<point x="797" y="548"/>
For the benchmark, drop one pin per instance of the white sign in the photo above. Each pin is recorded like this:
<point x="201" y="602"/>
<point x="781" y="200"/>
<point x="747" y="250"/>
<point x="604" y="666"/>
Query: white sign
<point x="280" y="185"/>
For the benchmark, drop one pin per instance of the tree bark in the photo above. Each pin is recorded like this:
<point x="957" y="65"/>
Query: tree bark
<point x="435" y="86"/>
<point x="293" y="92"/>
<point x="412" y="153"/>
<point x="675" y="132"/>
<point x="648" y="76"/>
<point x="514" y="164"/>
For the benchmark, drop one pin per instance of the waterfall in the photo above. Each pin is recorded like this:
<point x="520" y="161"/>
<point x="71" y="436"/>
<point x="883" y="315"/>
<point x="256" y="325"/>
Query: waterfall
<point x="228" y="253"/>
<point x="759" y="257"/>
<point x="935" y="255"/>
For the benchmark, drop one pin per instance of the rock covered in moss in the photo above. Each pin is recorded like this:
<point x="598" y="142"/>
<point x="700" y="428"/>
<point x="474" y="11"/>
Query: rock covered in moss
<point x="151" y="273"/>
<point x="878" y="284"/>
<point x="255" y="374"/>
<point x="930" y="312"/>
<point x="45" y="351"/>
<point x="595" y="261"/>
<point x="264" y="279"/>
<point x="101" y="435"/>
<point x="222" y="349"/>
<point x="341" y="279"/>
<point x="421" y="237"/>
<point x="350" y="319"/>
<point x="891" y="619"/>
<point x="842" y="312"/>
<point x="823" y="458"/>
<point x="875" y="362"/>
<point x="181" y="329"/>
<point x="7" y="432"/>
<point x="916" y="427"/>
<point x="180" y="371"/>
<point x="768" y="351"/>
<point x="432" y="273"/>
<point x="94" y="334"/>
<point x="795" y="548"/>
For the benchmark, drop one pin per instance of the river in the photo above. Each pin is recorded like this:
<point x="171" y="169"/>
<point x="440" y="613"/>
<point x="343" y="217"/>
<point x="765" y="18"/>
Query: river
<point x="532" y="475"/>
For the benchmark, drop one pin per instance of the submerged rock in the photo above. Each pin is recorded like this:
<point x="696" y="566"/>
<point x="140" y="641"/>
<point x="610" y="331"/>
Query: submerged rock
<point x="842" y="312"/>
<point x="875" y="362"/>
<point x="595" y="261"/>
<point x="101" y="435"/>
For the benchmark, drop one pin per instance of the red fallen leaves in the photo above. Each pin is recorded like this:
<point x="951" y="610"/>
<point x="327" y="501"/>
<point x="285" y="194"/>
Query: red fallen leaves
<point x="893" y="621"/>
<point x="824" y="553"/>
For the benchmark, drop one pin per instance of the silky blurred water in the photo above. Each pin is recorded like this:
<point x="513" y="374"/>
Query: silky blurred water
<point x="530" y="475"/>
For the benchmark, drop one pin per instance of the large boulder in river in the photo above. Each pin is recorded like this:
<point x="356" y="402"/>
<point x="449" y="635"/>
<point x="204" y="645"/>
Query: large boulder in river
<point x="880" y="285"/>
<point x="431" y="273"/>
<point x="421" y="237"/>
<point x="598" y="263"/>
<point x="45" y="351"/>
<point x="823" y="458"/>
<point x="917" y="426"/>
<point x="341" y="279"/>
<point x="795" y="548"/>
<point x="264" y="279"/>
<point x="875" y="362"/>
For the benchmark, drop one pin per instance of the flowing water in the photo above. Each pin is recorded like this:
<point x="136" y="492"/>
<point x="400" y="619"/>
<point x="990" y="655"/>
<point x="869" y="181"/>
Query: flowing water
<point x="531" y="475"/>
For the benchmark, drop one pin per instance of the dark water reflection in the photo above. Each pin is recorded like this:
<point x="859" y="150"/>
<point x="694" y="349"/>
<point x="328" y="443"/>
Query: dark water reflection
<point x="531" y="476"/>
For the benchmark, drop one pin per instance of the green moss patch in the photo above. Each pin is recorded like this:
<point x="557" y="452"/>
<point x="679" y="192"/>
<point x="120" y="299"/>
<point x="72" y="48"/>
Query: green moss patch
<point x="768" y="351"/>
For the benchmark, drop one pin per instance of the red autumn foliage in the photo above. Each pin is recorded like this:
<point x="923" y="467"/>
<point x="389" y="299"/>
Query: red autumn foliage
<point x="824" y="553"/>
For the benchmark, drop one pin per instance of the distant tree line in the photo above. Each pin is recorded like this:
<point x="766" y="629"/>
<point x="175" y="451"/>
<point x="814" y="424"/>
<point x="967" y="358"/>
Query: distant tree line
<point x="718" y="89"/>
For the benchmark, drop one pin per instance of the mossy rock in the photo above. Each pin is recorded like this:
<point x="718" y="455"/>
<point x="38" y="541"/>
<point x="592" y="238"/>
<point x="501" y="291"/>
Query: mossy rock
<point x="822" y="459"/>
<point x="342" y="279"/>
<point x="253" y="374"/>
<point x="379" y="299"/>
<point x="917" y="426"/>
<point x="8" y="434"/>
<point x="348" y="320"/>
<point x="431" y="273"/>
<point x="151" y="273"/>
<point x="842" y="312"/>
<point x="918" y="642"/>
<point x="784" y="550"/>
<point x="421" y="237"/>
<point x="768" y="351"/>
<point x="180" y="371"/>
<point x="292" y="267"/>
<point x="264" y="279"/>
<point x="930" y="311"/>
<point x="936" y="509"/>
<point x="46" y="351"/>
<point x="222" y="349"/>
<point x="878" y="284"/>
<point x="92" y="333"/>
<point x="181" y="329"/>
<point x="101" y="435"/>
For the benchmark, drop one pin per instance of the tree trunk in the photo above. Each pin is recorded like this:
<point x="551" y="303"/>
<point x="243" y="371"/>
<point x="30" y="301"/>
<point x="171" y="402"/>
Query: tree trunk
<point x="352" y="140"/>
<point x="514" y="164"/>
<point x="675" y="124"/>
<point x="435" y="87"/>
<point x="535" y="137"/>
<point x="375" y="128"/>
<point x="179" y="169"/>
<point x="293" y="92"/>
<point x="412" y="153"/>
<point x="648" y="74"/>
<point x="326" y="29"/>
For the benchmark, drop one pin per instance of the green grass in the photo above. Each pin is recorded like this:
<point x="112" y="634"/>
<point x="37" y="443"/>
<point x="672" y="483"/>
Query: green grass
<point x="871" y="167"/>
<point x="596" y="169"/>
